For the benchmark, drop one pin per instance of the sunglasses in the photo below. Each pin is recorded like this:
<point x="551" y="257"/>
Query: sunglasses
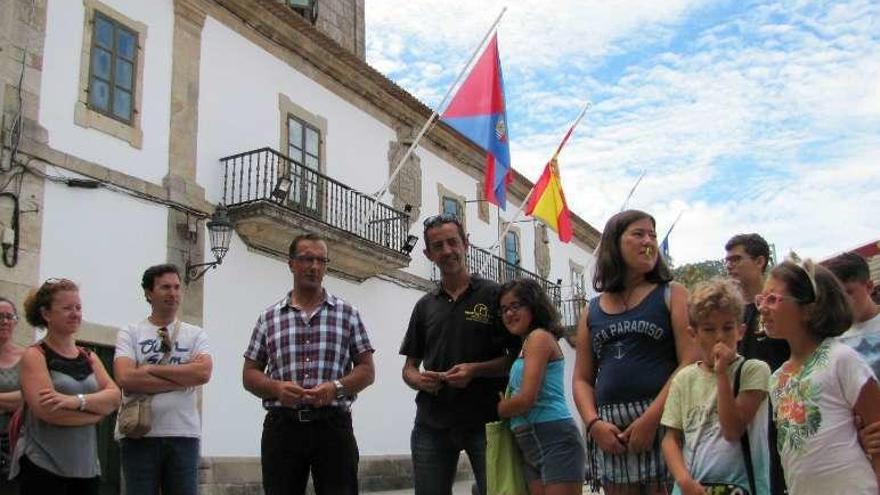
<point x="771" y="300"/>
<point x="440" y="219"/>
<point x="165" y="340"/>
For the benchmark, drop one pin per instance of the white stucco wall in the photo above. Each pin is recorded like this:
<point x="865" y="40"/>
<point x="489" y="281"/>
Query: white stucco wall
<point x="238" y="112"/>
<point x="103" y="241"/>
<point x="60" y="89"/>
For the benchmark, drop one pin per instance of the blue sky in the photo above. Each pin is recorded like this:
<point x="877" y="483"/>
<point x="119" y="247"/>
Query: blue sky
<point x="749" y="116"/>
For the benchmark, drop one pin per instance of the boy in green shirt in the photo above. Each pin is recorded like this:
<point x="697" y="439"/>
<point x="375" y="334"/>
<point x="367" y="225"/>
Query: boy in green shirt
<point x="705" y="417"/>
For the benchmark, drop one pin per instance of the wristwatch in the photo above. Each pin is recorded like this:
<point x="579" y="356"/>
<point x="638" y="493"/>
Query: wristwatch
<point x="340" y="390"/>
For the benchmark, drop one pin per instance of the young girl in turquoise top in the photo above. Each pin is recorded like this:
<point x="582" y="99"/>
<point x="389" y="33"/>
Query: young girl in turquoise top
<point x="552" y="447"/>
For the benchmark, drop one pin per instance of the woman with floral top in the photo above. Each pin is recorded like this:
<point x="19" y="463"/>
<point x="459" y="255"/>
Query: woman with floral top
<point x="817" y="392"/>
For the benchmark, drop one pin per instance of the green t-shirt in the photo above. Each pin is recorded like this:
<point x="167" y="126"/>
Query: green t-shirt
<point x="692" y="408"/>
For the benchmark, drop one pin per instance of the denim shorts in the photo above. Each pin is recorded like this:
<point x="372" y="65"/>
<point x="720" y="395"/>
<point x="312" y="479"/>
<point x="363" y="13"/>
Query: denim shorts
<point x="553" y="452"/>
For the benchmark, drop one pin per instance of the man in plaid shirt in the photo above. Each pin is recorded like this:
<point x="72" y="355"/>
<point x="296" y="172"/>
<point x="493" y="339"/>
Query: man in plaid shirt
<point x="308" y="356"/>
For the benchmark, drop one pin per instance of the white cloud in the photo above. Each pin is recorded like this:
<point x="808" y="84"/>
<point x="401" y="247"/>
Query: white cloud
<point x="767" y="121"/>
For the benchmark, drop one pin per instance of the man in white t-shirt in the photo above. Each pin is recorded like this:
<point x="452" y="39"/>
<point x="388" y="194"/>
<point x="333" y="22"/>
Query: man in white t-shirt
<point x="166" y="458"/>
<point x="864" y="336"/>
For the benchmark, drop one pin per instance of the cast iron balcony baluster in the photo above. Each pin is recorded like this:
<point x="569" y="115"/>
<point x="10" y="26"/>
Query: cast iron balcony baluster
<point x="252" y="176"/>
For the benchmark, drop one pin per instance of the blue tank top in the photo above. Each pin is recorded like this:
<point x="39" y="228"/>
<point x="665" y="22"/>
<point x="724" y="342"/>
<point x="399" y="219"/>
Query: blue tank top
<point x="550" y="404"/>
<point x="634" y="351"/>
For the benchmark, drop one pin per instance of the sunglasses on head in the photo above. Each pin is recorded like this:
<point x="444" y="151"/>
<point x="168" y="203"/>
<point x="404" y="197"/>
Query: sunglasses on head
<point x="440" y="219"/>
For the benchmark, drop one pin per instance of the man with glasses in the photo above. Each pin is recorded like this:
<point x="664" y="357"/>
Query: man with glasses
<point x="167" y="359"/>
<point x="309" y="355"/>
<point x="457" y="358"/>
<point x="746" y="262"/>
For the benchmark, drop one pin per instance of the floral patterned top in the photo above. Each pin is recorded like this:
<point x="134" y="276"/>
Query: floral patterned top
<point x="813" y="410"/>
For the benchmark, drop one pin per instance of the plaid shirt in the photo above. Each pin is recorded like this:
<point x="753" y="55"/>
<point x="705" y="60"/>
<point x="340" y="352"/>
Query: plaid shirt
<point x="309" y="351"/>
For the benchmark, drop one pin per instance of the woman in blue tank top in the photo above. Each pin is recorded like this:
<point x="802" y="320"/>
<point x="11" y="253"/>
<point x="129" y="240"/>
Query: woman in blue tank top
<point x="630" y="342"/>
<point x="553" y="451"/>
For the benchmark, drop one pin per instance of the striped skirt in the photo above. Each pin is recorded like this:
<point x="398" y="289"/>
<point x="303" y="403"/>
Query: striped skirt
<point x="645" y="468"/>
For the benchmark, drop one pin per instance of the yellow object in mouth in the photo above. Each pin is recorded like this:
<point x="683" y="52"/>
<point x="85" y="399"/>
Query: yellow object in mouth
<point x="649" y="253"/>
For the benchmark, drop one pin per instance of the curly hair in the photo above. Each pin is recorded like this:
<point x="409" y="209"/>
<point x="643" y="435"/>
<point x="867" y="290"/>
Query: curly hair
<point x="718" y="294"/>
<point x="610" y="273"/>
<point x="532" y="296"/>
<point x="40" y="299"/>
<point x="819" y="293"/>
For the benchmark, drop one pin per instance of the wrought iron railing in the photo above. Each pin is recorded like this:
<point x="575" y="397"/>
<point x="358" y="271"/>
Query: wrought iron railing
<point x="570" y="311"/>
<point x="255" y="176"/>
<point x="487" y="265"/>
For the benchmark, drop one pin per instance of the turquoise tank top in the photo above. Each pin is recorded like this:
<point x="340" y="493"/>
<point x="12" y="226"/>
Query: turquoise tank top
<point x="550" y="405"/>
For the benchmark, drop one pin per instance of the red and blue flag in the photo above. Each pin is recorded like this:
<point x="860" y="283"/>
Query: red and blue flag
<point x="478" y="112"/>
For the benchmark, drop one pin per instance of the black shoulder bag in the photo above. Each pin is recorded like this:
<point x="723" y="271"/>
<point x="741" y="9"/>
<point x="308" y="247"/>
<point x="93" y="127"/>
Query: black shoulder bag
<point x="744" y="441"/>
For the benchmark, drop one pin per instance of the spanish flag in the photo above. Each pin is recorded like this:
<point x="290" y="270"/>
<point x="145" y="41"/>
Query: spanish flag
<point x="547" y="201"/>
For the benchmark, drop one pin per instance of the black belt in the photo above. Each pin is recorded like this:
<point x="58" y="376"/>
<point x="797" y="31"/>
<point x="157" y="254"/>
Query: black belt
<point x="307" y="414"/>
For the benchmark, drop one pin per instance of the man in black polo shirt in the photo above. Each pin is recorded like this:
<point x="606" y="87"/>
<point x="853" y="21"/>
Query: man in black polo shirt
<point x="457" y="358"/>
<point x="746" y="260"/>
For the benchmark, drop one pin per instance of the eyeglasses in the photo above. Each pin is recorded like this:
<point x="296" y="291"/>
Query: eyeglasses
<point x="308" y="260"/>
<point x="440" y="219"/>
<point x="9" y="316"/>
<point x="511" y="308"/>
<point x="771" y="300"/>
<point x="734" y="259"/>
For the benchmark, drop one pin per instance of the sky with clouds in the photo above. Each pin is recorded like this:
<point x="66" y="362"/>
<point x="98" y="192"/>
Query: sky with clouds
<point x="748" y="116"/>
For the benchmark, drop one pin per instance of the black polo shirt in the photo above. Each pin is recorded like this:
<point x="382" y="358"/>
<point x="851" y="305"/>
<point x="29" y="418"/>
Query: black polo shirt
<point x="443" y="333"/>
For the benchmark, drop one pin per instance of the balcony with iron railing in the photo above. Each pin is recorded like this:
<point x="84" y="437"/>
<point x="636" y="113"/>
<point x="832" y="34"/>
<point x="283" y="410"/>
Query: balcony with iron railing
<point x="272" y="198"/>
<point x="487" y="265"/>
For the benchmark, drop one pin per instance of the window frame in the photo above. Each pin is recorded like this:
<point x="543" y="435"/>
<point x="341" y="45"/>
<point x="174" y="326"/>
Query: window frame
<point x="91" y="117"/>
<point x="114" y="58"/>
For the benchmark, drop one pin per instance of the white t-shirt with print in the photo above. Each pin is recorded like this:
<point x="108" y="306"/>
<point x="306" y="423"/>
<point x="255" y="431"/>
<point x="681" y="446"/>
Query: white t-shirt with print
<point x="864" y="337"/>
<point x="816" y="435"/>
<point x="175" y="413"/>
<point x="692" y="408"/>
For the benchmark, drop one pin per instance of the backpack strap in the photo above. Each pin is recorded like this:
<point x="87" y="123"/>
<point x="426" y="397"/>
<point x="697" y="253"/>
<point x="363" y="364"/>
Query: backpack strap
<point x="744" y="441"/>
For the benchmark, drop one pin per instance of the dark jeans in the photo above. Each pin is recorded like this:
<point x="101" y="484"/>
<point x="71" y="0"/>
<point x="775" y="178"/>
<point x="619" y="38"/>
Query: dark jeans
<point x="167" y="463"/>
<point x="34" y="480"/>
<point x="435" y="454"/>
<point x="323" y="446"/>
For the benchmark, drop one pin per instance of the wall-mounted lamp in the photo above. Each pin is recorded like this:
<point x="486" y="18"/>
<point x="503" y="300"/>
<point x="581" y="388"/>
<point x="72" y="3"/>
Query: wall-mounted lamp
<point x="220" y="232"/>
<point x="410" y="244"/>
<point x="282" y="188"/>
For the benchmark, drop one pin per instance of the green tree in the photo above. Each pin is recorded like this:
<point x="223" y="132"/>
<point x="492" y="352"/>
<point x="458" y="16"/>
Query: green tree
<point x="693" y="273"/>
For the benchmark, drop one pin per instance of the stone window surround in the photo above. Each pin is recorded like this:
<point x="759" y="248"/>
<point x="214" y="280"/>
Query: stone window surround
<point x="287" y="108"/>
<point x="445" y="192"/>
<point x="84" y="116"/>
<point x="482" y="204"/>
<point x="516" y="231"/>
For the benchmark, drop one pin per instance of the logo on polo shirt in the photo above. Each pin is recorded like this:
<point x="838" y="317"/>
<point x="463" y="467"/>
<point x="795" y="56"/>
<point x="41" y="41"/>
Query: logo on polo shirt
<point x="480" y="313"/>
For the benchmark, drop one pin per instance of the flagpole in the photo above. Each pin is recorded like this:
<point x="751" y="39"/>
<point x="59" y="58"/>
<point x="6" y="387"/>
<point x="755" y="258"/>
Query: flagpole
<point x="633" y="190"/>
<point x="532" y="190"/>
<point x="673" y="225"/>
<point x="381" y="193"/>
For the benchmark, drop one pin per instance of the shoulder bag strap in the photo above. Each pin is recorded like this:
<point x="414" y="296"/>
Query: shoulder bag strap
<point x="744" y="441"/>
